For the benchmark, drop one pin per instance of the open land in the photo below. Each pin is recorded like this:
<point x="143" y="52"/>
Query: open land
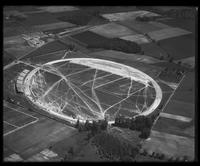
<point x="31" y="134"/>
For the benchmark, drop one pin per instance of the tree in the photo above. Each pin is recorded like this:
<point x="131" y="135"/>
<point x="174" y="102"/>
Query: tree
<point x="171" y="59"/>
<point x="161" y="156"/>
<point x="77" y="124"/>
<point x="71" y="150"/>
<point x="145" y="133"/>
<point x="179" y="62"/>
<point x="134" y="152"/>
<point x="86" y="125"/>
<point x="161" y="57"/>
<point x="104" y="124"/>
<point x="94" y="128"/>
<point x="126" y="158"/>
<point x="96" y="13"/>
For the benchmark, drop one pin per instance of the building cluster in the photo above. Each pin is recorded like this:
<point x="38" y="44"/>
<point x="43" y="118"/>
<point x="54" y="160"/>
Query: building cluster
<point x="33" y="41"/>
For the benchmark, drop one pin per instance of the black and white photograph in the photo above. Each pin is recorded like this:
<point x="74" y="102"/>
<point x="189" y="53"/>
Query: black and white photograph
<point x="99" y="83"/>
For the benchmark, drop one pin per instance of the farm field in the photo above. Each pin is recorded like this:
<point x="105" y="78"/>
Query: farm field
<point x="17" y="46"/>
<point x="112" y="30"/>
<point x="177" y="107"/>
<point x="139" y="38"/>
<point x="56" y="9"/>
<point x="143" y="27"/>
<point x="167" y="33"/>
<point x="89" y="38"/>
<point x="127" y="15"/>
<point x="21" y="8"/>
<point x="48" y="48"/>
<point x="50" y="132"/>
<point x="179" y="47"/>
<point x="176" y="127"/>
<point x="187" y="88"/>
<point x="170" y="145"/>
<point x="78" y="17"/>
<point x="124" y="56"/>
<point x="187" y="24"/>
<point x="108" y="9"/>
<point x="152" y="50"/>
<point x="39" y="19"/>
<point x="18" y="30"/>
<point x="7" y="58"/>
<point x="52" y="26"/>
<point x="37" y="122"/>
<point x="179" y="134"/>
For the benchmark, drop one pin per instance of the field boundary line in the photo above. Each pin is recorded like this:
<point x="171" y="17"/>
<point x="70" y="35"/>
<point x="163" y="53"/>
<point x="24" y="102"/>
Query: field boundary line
<point x="21" y="112"/>
<point x="175" y="117"/>
<point x="168" y="101"/>
<point x="51" y="53"/>
<point x="163" y="134"/>
<point x="10" y="124"/>
<point x="20" y="127"/>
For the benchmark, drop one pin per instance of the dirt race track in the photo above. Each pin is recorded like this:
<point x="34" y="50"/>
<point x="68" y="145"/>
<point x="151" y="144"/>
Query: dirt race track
<point x="29" y="130"/>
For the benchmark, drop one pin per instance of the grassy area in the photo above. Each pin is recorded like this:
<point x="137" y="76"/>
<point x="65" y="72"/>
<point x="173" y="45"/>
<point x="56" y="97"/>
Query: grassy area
<point x="112" y="30"/>
<point x="174" y="127"/>
<point x="180" y="108"/>
<point x="170" y="145"/>
<point x="107" y="9"/>
<point x="78" y="17"/>
<point x="179" y="47"/>
<point x="181" y="23"/>
<point x="90" y="38"/>
<point x="141" y="27"/>
<point x="7" y="58"/>
<point x="97" y="41"/>
<point x="186" y="91"/>
<point x="46" y="49"/>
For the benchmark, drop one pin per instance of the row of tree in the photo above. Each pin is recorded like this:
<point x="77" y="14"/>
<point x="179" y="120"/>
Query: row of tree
<point x="139" y="123"/>
<point x="94" y="127"/>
